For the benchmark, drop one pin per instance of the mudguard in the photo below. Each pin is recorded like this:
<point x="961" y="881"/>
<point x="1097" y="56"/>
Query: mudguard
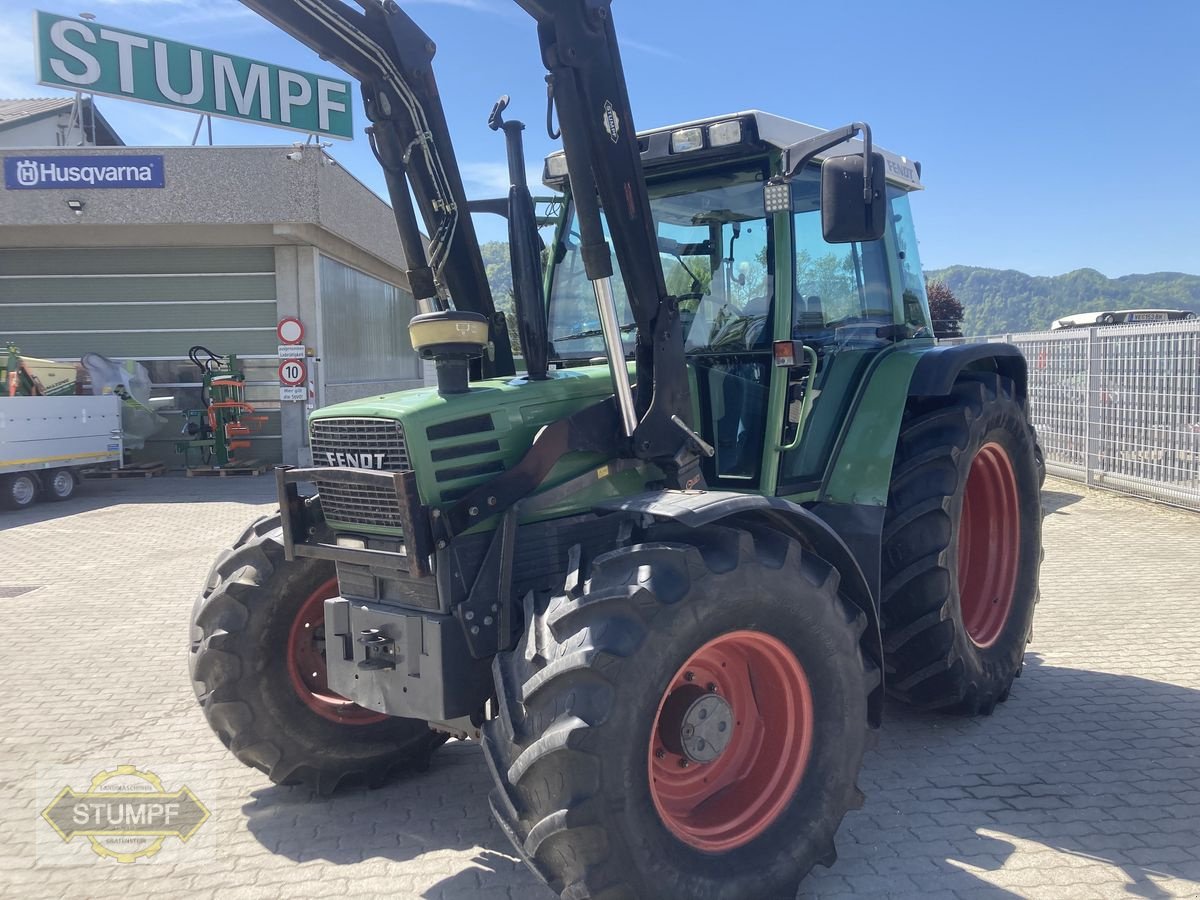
<point x="938" y="367"/>
<point x="697" y="508"/>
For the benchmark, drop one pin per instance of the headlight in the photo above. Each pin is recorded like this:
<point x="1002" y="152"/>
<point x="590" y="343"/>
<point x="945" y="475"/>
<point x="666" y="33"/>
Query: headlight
<point x="686" y="139"/>
<point x="725" y="133"/>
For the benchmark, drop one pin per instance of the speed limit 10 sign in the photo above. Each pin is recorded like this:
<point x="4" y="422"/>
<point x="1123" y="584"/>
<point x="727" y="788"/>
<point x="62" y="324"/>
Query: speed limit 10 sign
<point x="292" y="372"/>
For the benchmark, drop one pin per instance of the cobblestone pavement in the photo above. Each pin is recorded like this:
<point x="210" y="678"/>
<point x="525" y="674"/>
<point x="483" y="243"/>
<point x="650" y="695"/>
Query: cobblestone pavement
<point x="1085" y="784"/>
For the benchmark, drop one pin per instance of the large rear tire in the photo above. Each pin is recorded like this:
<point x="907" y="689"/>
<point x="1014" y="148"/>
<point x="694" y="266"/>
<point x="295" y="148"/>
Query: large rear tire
<point x="258" y="670"/>
<point x="961" y="549"/>
<point x="688" y="722"/>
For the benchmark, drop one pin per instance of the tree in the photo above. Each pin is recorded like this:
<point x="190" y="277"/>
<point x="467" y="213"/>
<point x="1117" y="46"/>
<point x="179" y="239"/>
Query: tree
<point x="498" y="266"/>
<point x="944" y="309"/>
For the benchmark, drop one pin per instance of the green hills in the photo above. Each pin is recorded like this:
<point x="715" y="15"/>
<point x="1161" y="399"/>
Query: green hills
<point x="996" y="301"/>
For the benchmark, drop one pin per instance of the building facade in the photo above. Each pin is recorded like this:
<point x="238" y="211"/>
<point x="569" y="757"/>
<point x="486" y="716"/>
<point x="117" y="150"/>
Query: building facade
<point x="213" y="247"/>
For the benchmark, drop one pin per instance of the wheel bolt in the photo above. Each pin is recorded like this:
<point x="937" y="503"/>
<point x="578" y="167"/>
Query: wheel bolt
<point x="683" y="764"/>
<point x="660" y="753"/>
<point x="689" y="676"/>
<point x="712" y="687"/>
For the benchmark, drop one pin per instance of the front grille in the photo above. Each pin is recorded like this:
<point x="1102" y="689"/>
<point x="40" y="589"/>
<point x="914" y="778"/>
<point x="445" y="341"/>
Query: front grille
<point x="365" y="444"/>
<point x="356" y="437"/>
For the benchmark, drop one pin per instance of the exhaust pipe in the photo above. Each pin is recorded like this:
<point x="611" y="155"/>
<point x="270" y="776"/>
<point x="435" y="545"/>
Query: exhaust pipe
<point x="524" y="248"/>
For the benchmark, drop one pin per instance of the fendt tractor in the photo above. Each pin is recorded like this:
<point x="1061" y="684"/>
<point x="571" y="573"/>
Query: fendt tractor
<point x="666" y="575"/>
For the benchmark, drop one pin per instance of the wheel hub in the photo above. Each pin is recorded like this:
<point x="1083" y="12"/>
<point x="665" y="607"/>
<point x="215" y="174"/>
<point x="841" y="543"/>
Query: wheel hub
<point x="730" y="741"/>
<point x="23" y="491"/>
<point x="989" y="540"/>
<point x="696" y="724"/>
<point x="306" y="665"/>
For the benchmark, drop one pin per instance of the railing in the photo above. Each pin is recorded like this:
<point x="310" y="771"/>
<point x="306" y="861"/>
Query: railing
<point x="1118" y="407"/>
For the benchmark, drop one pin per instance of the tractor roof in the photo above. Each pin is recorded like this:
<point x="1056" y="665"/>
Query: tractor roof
<point x="775" y="131"/>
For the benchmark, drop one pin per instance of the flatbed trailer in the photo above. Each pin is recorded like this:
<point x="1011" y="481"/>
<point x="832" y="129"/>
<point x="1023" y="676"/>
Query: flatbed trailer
<point x="45" y="441"/>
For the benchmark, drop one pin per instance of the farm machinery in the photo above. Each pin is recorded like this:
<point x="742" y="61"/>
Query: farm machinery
<point x="667" y="574"/>
<point x="220" y="428"/>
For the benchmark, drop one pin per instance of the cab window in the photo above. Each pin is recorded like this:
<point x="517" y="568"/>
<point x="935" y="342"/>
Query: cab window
<point x="842" y="292"/>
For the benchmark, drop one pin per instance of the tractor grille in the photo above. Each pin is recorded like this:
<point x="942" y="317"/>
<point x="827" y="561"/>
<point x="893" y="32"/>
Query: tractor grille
<point x="359" y="443"/>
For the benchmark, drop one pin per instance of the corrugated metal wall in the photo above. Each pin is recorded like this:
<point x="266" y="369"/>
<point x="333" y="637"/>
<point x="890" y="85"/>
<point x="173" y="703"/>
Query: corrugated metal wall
<point x="151" y="304"/>
<point x="364" y="334"/>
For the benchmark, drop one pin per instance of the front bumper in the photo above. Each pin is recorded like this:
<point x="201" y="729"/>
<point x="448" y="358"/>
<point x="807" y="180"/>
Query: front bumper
<point x="300" y="528"/>
<point x="392" y="643"/>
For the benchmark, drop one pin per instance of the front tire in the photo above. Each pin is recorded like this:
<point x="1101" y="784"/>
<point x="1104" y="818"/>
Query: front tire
<point x="961" y="548"/>
<point x="257" y="667"/>
<point x="605" y="781"/>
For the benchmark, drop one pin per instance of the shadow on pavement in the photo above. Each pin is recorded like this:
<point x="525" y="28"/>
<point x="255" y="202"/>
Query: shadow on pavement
<point x="1101" y="767"/>
<point x="1056" y="501"/>
<point x="445" y="809"/>
<point x="1104" y="768"/>
<point x="97" y="495"/>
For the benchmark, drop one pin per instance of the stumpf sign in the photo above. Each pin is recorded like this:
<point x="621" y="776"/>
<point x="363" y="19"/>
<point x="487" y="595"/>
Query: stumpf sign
<point x="97" y="59"/>
<point x="30" y="172"/>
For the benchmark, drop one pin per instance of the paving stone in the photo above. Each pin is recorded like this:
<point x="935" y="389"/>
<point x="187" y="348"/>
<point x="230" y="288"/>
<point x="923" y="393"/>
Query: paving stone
<point x="1085" y="784"/>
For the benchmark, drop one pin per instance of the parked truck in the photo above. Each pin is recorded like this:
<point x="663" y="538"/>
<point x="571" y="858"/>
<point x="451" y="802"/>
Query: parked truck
<point x="46" y="441"/>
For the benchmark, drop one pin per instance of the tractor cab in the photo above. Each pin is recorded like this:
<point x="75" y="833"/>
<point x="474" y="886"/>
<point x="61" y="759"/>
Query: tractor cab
<point x="774" y="317"/>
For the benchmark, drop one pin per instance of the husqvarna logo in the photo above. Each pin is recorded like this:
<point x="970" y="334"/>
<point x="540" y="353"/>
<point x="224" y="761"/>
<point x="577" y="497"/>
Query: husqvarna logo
<point x="357" y="460"/>
<point x="23" y="173"/>
<point x="27" y="172"/>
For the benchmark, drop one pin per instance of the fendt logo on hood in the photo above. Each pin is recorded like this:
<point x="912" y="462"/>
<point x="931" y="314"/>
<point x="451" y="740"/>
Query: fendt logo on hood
<point x="357" y="460"/>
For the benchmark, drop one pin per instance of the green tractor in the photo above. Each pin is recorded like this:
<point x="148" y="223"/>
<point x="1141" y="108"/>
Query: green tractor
<point x="668" y="574"/>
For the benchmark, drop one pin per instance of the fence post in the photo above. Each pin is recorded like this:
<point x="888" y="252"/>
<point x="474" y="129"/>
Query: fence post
<point x="1092" y="424"/>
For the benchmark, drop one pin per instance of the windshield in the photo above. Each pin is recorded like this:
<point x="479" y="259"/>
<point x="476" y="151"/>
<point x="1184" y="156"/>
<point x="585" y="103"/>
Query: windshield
<point x="714" y="246"/>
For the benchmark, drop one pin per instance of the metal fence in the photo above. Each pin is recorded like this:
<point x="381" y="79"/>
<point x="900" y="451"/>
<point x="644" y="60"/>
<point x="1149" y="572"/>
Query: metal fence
<point x="1119" y="407"/>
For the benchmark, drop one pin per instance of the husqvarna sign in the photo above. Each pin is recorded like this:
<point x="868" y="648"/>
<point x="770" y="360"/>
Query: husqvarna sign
<point x="33" y="172"/>
<point x="96" y="59"/>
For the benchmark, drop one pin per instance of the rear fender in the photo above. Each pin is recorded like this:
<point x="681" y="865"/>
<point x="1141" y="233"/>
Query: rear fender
<point x="939" y="367"/>
<point x="694" y="509"/>
<point x="860" y="470"/>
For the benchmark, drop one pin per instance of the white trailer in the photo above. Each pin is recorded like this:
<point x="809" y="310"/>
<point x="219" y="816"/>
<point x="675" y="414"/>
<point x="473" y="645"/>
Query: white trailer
<point x="44" y="441"/>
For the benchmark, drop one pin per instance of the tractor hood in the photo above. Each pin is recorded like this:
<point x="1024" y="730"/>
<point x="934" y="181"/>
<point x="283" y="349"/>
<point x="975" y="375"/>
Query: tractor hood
<point x="457" y="442"/>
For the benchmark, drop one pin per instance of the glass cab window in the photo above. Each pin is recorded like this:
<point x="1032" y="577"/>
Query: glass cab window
<point x="715" y="249"/>
<point x="842" y="293"/>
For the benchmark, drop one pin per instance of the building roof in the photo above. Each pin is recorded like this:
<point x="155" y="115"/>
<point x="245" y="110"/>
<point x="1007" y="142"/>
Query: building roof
<point x="20" y="111"/>
<point x="15" y="110"/>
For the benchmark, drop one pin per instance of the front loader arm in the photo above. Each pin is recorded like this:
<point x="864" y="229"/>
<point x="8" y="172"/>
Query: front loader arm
<point x="579" y="48"/>
<point x="392" y="58"/>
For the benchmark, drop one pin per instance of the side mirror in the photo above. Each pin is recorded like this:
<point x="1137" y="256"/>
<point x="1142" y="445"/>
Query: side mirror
<point x="846" y="213"/>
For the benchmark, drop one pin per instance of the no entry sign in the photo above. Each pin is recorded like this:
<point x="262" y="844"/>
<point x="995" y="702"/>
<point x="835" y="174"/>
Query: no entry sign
<point x="290" y="330"/>
<point x="292" y="372"/>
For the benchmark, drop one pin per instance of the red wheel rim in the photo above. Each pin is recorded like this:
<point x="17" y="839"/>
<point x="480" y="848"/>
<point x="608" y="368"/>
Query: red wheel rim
<point x="306" y="663"/>
<point x="725" y="803"/>
<point x="989" y="532"/>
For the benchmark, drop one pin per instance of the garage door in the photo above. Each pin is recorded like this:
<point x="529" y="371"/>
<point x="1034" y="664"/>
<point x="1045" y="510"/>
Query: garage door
<point x="151" y="304"/>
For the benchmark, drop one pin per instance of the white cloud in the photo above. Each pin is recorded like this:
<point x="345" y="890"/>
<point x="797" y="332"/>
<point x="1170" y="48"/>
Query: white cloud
<point x="482" y="180"/>
<point x="643" y="47"/>
<point x="16" y="63"/>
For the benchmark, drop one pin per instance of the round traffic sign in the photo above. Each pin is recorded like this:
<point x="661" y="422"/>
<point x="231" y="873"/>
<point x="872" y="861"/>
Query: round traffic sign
<point x="292" y="372"/>
<point x="290" y="330"/>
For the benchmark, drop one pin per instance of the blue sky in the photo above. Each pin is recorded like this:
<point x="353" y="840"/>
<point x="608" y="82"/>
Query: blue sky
<point x="1054" y="135"/>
